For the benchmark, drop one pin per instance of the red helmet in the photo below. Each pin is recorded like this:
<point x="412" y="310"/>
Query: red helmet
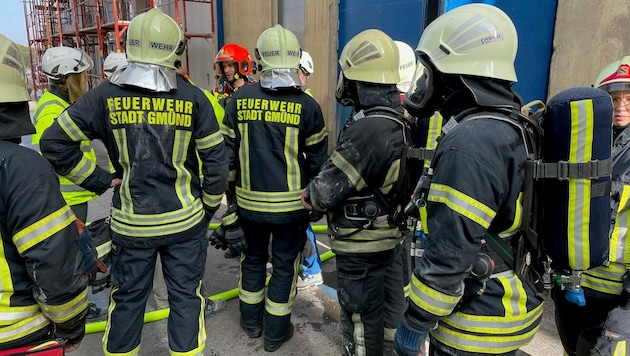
<point x="234" y="53"/>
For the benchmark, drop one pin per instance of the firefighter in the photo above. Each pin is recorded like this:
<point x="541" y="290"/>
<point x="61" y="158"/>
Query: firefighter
<point x="235" y="66"/>
<point x="477" y="178"/>
<point x="66" y="69"/>
<point x="156" y="127"/>
<point x="113" y="62"/>
<point x="606" y="288"/>
<point x="44" y="287"/>
<point x="357" y="187"/>
<point x="276" y="141"/>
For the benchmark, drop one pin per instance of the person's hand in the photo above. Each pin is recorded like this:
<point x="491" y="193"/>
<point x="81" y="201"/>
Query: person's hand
<point x="217" y="238"/>
<point x="306" y="201"/>
<point x="115" y="182"/>
<point x="71" y="347"/>
<point x="235" y="238"/>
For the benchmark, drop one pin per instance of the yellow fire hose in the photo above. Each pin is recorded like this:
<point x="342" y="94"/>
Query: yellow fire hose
<point x="160" y="314"/>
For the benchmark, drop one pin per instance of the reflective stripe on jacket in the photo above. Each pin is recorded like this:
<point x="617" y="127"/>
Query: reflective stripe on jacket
<point x="48" y="108"/>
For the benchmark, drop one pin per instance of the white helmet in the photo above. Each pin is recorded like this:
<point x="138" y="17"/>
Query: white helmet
<point x="114" y="62"/>
<point x="59" y="62"/>
<point x="406" y="65"/>
<point x="306" y="63"/>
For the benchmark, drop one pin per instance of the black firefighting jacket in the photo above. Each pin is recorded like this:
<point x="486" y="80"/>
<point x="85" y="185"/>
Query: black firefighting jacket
<point x="153" y="140"/>
<point x="358" y="178"/>
<point x="276" y="143"/>
<point x="41" y="265"/>
<point x="478" y="174"/>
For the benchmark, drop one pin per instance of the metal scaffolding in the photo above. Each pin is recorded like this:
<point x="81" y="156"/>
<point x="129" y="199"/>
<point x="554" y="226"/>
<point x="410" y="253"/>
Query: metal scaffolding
<point x="96" y="26"/>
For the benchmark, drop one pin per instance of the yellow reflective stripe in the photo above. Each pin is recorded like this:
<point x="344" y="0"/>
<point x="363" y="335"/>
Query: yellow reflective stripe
<point x="10" y="315"/>
<point x="606" y="279"/>
<point x="389" y="334"/>
<point x="317" y="137"/>
<point x="496" y="344"/>
<point x="621" y="348"/>
<point x="229" y="219"/>
<point x="407" y="289"/>
<point x="518" y="212"/>
<point x="462" y="204"/>
<point x="209" y="141"/>
<point x="279" y="308"/>
<point x="126" y="203"/>
<point x="579" y="212"/>
<point x="435" y="129"/>
<point x="212" y="200"/>
<point x="348" y="246"/>
<point x="6" y="280"/>
<point x="270" y="207"/>
<point x="201" y="327"/>
<point x="228" y="132"/>
<point x="81" y="171"/>
<point x="250" y="297"/>
<point x="66" y="311"/>
<point x="353" y="175"/>
<point x="104" y="248"/>
<point x="431" y="300"/>
<point x="269" y="201"/>
<point x="291" y="154"/>
<point x="43" y="228"/>
<point x="183" y="178"/>
<point x="41" y="105"/>
<point x="157" y="219"/>
<point x="162" y="230"/>
<point x="70" y="128"/>
<point x="358" y="333"/>
<point x="134" y="352"/>
<point x="243" y="155"/>
<point x="620" y="249"/>
<point x="272" y="197"/>
<point x="514" y="298"/>
<point x="391" y="177"/>
<point x="23" y="328"/>
<point x="69" y="187"/>
<point x="232" y="175"/>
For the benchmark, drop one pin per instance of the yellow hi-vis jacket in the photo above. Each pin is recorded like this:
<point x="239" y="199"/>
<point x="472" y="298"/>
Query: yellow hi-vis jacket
<point x="48" y="108"/>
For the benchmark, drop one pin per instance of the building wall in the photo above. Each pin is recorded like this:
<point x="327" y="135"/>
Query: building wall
<point x="589" y="34"/>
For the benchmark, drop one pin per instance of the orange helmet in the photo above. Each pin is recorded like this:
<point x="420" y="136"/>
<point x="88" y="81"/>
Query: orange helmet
<point x="234" y="53"/>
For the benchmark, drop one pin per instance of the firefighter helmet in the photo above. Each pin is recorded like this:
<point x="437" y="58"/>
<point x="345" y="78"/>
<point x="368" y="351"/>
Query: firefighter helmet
<point x="13" y="83"/>
<point x="306" y="63"/>
<point x="371" y="56"/>
<point x="474" y="39"/>
<point x="406" y="65"/>
<point x="59" y="62"/>
<point x="153" y="37"/>
<point x="238" y="55"/>
<point x="113" y="62"/>
<point x="278" y="48"/>
<point x="615" y="76"/>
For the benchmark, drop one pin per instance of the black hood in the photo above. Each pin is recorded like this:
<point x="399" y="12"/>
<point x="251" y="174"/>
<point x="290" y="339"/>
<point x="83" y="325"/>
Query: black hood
<point x="480" y="92"/>
<point x="371" y="95"/>
<point x="15" y="120"/>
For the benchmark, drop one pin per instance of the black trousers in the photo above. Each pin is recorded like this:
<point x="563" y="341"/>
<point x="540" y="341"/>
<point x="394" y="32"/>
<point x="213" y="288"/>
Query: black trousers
<point x="370" y="292"/>
<point x="183" y="266"/>
<point x="274" y="310"/>
<point x="579" y="327"/>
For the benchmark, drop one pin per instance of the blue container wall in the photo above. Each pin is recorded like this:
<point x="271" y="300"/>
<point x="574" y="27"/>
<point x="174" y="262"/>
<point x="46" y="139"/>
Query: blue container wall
<point x="404" y="20"/>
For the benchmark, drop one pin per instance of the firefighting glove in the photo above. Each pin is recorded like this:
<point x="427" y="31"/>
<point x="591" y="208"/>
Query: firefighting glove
<point x="616" y="330"/>
<point x="91" y="262"/>
<point x="315" y="216"/>
<point x="217" y="238"/>
<point x="409" y="341"/>
<point x="235" y="238"/>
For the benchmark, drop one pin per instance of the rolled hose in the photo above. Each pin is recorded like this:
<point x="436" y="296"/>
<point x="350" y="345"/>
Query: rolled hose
<point x="160" y="314"/>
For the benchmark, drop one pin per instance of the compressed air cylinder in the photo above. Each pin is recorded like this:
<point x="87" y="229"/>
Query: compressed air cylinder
<point x="576" y="206"/>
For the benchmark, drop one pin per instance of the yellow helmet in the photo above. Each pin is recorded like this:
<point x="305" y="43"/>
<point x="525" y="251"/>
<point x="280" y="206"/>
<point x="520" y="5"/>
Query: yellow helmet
<point x="406" y="66"/>
<point x="13" y="84"/>
<point x="615" y="76"/>
<point x="278" y="48"/>
<point x="370" y="56"/>
<point x="155" y="38"/>
<point x="474" y="39"/>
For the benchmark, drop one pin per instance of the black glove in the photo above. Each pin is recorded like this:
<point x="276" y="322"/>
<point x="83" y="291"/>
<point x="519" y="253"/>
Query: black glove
<point x="91" y="262"/>
<point x="235" y="238"/>
<point x="217" y="238"/>
<point x="616" y="329"/>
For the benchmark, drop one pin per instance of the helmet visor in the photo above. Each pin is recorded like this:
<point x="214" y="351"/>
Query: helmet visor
<point x="620" y="86"/>
<point x="84" y="63"/>
<point x="421" y="88"/>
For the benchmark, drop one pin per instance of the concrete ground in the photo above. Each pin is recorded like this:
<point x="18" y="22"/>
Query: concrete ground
<point x="315" y="313"/>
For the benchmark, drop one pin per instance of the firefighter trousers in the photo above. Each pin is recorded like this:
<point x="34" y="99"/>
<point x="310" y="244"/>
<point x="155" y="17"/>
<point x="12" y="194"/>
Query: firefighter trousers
<point x="183" y="265"/>
<point x="370" y="292"/>
<point x="274" y="310"/>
